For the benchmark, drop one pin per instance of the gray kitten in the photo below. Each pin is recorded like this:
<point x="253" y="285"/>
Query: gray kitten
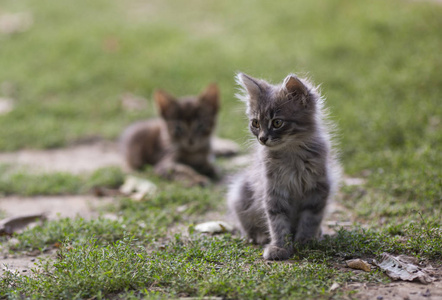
<point x="281" y="198"/>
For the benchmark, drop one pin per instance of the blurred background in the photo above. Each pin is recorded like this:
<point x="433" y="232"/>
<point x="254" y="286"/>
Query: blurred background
<point x="75" y="73"/>
<point x="79" y="70"/>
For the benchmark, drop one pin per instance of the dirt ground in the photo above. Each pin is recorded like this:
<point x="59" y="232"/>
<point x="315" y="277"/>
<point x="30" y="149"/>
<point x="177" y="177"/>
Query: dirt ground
<point x="397" y="290"/>
<point x="89" y="157"/>
<point x="77" y="159"/>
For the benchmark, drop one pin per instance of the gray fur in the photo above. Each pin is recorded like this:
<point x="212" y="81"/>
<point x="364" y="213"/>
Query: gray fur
<point x="281" y="197"/>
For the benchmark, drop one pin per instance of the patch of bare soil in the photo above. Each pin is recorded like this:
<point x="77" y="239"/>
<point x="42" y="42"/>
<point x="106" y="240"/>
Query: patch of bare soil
<point x="85" y="206"/>
<point x="397" y="290"/>
<point x="76" y="159"/>
<point x="21" y="264"/>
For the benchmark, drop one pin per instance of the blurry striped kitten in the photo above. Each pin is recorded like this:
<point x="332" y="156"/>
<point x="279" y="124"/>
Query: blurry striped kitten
<point x="281" y="198"/>
<point x="179" y="143"/>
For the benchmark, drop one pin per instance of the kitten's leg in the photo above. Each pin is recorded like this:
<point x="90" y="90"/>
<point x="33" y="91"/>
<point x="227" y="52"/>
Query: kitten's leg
<point x="309" y="226"/>
<point x="179" y="172"/>
<point x="278" y="212"/>
<point x="246" y="210"/>
<point x="208" y="169"/>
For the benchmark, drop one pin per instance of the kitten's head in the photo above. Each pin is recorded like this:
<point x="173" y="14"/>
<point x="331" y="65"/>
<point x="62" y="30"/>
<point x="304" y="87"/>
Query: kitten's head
<point x="280" y="114"/>
<point x="190" y="120"/>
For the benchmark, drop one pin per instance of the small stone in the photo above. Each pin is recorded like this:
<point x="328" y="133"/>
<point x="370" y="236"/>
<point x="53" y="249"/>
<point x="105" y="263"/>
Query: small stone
<point x="334" y="286"/>
<point x="214" y="227"/>
<point x="6" y="105"/>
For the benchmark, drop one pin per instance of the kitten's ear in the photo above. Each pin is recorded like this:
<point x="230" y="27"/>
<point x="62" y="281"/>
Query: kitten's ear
<point x="167" y="104"/>
<point x="210" y="97"/>
<point x="296" y="88"/>
<point x="251" y="85"/>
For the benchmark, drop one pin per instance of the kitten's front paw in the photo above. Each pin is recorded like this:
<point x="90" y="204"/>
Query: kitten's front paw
<point x="209" y="171"/>
<point x="272" y="252"/>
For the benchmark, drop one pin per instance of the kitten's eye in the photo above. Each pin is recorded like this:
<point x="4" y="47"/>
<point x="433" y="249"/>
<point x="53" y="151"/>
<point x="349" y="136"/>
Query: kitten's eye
<point x="277" y="123"/>
<point x="179" y="129"/>
<point x="255" y="123"/>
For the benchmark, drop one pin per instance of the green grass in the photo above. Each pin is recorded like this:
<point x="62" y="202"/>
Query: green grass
<point x="105" y="259"/>
<point x="22" y="182"/>
<point x="201" y="267"/>
<point x="379" y="67"/>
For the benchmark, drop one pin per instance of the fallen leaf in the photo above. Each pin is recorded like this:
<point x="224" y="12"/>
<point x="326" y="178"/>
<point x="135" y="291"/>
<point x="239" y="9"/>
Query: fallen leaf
<point x="358" y="264"/>
<point x="138" y="188"/>
<point x="403" y="268"/>
<point x="57" y="245"/>
<point x="10" y="225"/>
<point x="214" y="227"/>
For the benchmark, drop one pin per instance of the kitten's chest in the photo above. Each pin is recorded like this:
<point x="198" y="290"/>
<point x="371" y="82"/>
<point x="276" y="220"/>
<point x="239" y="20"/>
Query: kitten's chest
<point x="293" y="174"/>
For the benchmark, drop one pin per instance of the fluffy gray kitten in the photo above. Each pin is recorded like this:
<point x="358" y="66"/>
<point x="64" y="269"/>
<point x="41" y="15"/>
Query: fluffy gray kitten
<point x="282" y="197"/>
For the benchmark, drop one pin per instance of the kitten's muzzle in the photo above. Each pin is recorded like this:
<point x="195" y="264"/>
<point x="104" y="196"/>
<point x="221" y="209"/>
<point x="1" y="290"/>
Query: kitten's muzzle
<point x="263" y="140"/>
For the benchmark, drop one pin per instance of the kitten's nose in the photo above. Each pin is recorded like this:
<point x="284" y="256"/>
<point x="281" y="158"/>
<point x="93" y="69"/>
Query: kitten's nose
<point x="263" y="139"/>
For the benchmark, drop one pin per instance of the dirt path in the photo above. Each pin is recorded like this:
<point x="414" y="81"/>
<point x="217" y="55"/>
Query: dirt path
<point x="85" y="206"/>
<point x="76" y="159"/>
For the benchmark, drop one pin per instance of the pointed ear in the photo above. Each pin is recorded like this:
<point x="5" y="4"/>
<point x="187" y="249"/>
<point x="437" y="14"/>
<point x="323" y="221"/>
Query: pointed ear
<point x="210" y="97"/>
<point x="254" y="87"/>
<point x="295" y="89"/>
<point x="294" y="86"/>
<point x="166" y="103"/>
